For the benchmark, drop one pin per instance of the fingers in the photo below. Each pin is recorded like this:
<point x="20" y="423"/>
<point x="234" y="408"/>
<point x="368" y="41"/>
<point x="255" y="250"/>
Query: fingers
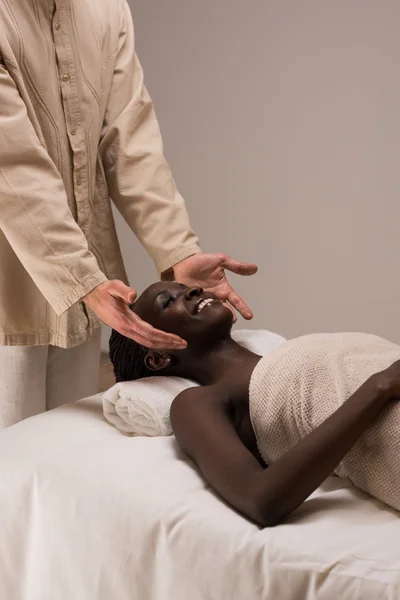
<point x="240" y="305"/>
<point x="157" y="338"/>
<point x="143" y="333"/>
<point x="240" y="268"/>
<point x="119" y="290"/>
<point x="111" y="301"/>
<point x="232" y="311"/>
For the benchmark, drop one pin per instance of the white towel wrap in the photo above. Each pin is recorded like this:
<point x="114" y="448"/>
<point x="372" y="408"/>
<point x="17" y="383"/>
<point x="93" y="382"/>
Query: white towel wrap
<point x="300" y="384"/>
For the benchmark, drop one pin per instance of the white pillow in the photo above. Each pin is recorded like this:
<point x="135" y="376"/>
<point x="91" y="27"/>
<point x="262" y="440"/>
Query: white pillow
<point x="142" y="407"/>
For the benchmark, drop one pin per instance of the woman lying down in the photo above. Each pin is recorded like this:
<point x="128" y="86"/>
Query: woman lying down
<point x="315" y="405"/>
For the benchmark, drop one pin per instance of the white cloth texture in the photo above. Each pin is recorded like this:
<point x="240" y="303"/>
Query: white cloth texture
<point x="142" y="407"/>
<point x="300" y="384"/>
<point x="90" y="514"/>
<point x="39" y="378"/>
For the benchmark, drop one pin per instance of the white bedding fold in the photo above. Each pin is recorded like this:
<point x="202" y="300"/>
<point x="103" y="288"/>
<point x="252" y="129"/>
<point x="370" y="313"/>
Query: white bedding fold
<point x="146" y="413"/>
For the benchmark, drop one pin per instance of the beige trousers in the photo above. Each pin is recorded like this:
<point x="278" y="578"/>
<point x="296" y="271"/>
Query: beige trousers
<point x="34" y="379"/>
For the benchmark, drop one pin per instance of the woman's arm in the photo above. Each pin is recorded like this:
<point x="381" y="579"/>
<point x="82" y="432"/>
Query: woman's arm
<point x="203" y="427"/>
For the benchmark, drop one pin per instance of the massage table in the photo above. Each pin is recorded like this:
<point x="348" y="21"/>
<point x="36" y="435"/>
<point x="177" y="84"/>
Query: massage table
<point x="87" y="513"/>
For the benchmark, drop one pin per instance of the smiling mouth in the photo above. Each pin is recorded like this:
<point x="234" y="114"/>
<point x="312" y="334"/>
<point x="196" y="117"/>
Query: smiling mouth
<point x="203" y="304"/>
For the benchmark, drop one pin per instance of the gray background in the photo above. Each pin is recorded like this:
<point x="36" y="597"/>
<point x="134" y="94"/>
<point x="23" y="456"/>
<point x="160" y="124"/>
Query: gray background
<point x="281" y="122"/>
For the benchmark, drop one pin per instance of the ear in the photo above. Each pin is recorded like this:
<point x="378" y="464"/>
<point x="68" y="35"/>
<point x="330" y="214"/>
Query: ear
<point x="156" y="361"/>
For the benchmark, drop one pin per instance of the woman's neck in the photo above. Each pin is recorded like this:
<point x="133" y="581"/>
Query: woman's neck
<point x="220" y="362"/>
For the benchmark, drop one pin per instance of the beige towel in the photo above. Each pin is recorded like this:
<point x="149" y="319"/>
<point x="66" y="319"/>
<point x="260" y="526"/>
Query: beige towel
<point x="298" y="385"/>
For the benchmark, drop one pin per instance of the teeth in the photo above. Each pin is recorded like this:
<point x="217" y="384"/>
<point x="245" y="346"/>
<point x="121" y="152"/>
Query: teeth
<point x="204" y="303"/>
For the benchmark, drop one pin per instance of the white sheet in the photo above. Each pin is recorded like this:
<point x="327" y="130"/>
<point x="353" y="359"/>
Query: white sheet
<point x="87" y="513"/>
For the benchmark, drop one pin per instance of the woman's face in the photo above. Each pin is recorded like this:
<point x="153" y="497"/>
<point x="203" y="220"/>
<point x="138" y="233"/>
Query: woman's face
<point x="189" y="312"/>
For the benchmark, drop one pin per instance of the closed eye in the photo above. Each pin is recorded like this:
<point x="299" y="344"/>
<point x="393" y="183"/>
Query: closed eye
<point x="168" y="302"/>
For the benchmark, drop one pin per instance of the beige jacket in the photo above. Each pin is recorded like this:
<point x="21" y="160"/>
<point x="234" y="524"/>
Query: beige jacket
<point x="76" y="127"/>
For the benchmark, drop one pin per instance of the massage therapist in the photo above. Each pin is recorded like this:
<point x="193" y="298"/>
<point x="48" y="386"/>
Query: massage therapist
<point x="77" y="127"/>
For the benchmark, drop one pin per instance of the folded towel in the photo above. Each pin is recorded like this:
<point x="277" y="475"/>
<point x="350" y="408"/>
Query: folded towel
<point x="142" y="407"/>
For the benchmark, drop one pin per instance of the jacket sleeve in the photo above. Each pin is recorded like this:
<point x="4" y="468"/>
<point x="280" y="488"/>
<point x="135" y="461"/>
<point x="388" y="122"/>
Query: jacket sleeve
<point x="139" y="178"/>
<point x="34" y="212"/>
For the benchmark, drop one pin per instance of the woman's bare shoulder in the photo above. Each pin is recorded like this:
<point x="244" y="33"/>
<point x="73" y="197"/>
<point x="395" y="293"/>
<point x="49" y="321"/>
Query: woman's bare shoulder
<point x="203" y="396"/>
<point x="197" y="407"/>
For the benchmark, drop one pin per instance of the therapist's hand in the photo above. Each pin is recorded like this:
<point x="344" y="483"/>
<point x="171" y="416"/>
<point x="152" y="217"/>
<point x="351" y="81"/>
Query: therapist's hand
<point x="110" y="301"/>
<point x="208" y="271"/>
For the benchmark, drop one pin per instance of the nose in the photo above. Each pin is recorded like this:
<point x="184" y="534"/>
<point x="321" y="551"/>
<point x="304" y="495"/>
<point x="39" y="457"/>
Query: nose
<point x="193" y="292"/>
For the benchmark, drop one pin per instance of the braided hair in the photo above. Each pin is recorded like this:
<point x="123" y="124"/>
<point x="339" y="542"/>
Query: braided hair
<point x="127" y="357"/>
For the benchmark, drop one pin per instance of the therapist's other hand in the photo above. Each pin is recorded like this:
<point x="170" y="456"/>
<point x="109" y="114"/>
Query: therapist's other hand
<point x="111" y="300"/>
<point x="208" y="271"/>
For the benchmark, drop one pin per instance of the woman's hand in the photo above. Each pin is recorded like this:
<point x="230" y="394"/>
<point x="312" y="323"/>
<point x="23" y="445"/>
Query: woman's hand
<point x="111" y="300"/>
<point x="388" y="382"/>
